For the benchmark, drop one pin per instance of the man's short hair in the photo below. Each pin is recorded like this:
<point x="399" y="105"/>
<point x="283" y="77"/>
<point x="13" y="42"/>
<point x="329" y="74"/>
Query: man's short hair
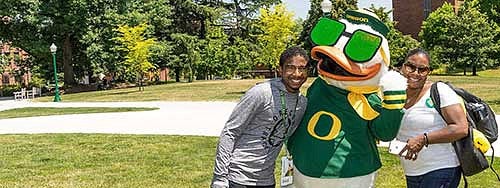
<point x="291" y="52"/>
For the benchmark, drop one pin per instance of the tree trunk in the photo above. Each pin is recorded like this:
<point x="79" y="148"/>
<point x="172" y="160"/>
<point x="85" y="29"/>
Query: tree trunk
<point x="69" y="78"/>
<point x="140" y="81"/>
<point x="465" y="71"/>
<point x="202" y="29"/>
<point x="191" y="74"/>
<point x="474" y="73"/>
<point x="177" y="74"/>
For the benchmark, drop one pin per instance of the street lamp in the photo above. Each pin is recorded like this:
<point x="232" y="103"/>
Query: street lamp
<point x="53" y="49"/>
<point x="326" y="7"/>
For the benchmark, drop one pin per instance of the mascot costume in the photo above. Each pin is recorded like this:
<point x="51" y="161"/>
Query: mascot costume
<point x="354" y="102"/>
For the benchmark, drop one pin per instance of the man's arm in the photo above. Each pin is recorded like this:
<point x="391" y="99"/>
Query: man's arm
<point x="239" y="119"/>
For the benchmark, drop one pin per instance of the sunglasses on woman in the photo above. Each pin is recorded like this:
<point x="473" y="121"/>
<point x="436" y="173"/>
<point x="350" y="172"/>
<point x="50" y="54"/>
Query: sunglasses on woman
<point x="361" y="47"/>
<point x="410" y="67"/>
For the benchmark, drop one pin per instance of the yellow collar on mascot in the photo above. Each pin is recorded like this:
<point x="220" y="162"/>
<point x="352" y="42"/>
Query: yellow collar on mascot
<point x="359" y="102"/>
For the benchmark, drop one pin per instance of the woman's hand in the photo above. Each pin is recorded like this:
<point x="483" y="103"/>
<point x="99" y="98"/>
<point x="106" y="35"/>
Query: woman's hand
<point x="413" y="147"/>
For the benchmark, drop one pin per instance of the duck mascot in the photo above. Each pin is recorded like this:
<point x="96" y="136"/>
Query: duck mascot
<point x="354" y="102"/>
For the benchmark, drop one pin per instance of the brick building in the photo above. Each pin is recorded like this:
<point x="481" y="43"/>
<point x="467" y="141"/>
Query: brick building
<point x="8" y="57"/>
<point x="409" y="14"/>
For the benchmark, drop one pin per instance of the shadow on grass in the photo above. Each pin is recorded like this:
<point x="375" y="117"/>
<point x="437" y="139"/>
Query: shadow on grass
<point x="236" y="93"/>
<point x="123" y="92"/>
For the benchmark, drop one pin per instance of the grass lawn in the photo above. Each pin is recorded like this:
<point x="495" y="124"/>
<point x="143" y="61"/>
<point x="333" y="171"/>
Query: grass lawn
<point x="102" y="160"/>
<point x="485" y="86"/>
<point x="45" y="111"/>
<point x="218" y="90"/>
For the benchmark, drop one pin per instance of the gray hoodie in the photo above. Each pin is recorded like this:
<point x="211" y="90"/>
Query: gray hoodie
<point x="254" y="133"/>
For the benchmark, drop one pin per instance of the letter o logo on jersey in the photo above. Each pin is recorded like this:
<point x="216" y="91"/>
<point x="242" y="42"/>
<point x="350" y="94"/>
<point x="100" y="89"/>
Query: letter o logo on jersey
<point x="334" y="131"/>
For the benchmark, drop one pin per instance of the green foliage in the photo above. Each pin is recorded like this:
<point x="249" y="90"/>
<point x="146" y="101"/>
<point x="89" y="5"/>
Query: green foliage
<point x="240" y="16"/>
<point x="243" y="55"/>
<point x="277" y="28"/>
<point x="136" y="48"/>
<point x="460" y="41"/>
<point x="185" y="54"/>
<point x="399" y="45"/>
<point x="8" y="90"/>
<point x="29" y="17"/>
<point x="491" y="8"/>
<point x="476" y="36"/>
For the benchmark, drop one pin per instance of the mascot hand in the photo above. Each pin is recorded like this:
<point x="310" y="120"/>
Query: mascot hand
<point x="393" y="86"/>
<point x="393" y="81"/>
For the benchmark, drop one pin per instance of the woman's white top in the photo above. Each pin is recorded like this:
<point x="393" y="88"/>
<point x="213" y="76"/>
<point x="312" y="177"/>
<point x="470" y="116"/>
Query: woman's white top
<point x="423" y="118"/>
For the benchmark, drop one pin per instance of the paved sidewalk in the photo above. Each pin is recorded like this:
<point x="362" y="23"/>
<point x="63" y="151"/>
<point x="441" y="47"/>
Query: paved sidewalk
<point x="172" y="118"/>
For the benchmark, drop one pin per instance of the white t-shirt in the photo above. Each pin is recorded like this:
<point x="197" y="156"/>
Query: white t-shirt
<point x="422" y="118"/>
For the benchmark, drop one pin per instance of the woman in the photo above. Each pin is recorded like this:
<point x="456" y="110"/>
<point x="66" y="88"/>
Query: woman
<point x="430" y="160"/>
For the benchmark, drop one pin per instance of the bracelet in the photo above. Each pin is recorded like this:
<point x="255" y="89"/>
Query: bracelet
<point x="426" y="140"/>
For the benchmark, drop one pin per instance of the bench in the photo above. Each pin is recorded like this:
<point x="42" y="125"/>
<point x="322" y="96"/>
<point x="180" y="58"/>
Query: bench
<point x="20" y="95"/>
<point x="27" y="94"/>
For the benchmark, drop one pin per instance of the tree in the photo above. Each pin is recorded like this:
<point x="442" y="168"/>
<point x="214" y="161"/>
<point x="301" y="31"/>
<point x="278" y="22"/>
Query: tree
<point x="460" y="41"/>
<point x="213" y="55"/>
<point x="23" y="16"/>
<point x="437" y="35"/>
<point x="492" y="9"/>
<point x="475" y="35"/>
<point x="105" y="16"/>
<point x="277" y="28"/>
<point x="81" y="29"/>
<point x="103" y="19"/>
<point x="185" y="55"/>
<point x="136" y="48"/>
<point x="240" y="15"/>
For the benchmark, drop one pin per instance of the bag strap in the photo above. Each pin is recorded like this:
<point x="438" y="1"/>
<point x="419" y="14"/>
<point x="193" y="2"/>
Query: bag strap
<point x="491" y="163"/>
<point x="437" y="105"/>
<point x="435" y="97"/>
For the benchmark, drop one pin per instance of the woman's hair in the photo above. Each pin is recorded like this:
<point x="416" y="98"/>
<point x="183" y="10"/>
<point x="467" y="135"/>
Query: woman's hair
<point x="292" y="52"/>
<point x="418" y="51"/>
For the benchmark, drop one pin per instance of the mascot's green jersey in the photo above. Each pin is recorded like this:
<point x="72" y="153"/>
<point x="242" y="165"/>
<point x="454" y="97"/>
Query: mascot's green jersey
<point x="333" y="141"/>
<point x="355" y="101"/>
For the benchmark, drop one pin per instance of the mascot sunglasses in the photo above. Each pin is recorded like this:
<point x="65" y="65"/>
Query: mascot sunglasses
<point x="361" y="47"/>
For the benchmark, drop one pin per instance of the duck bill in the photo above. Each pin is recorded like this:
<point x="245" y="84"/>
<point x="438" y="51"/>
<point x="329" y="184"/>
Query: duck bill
<point x="335" y="65"/>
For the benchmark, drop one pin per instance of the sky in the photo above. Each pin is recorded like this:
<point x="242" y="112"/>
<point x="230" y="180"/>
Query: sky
<point x="301" y="7"/>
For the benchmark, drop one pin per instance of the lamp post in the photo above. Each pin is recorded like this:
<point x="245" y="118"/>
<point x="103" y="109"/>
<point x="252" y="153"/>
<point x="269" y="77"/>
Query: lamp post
<point x="326" y="7"/>
<point x="53" y="49"/>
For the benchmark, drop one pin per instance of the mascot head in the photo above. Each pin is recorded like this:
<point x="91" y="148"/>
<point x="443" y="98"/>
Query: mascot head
<point x="352" y="51"/>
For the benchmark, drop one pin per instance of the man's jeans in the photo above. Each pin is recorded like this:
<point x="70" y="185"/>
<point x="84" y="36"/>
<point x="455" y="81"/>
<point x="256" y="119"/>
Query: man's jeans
<point x="442" y="178"/>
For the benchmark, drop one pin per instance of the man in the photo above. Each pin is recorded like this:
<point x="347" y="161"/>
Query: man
<point x="266" y="115"/>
